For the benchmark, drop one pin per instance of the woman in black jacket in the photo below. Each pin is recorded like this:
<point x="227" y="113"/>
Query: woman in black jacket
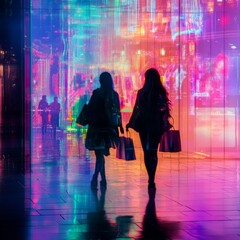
<point x="104" y="121"/>
<point x="151" y="109"/>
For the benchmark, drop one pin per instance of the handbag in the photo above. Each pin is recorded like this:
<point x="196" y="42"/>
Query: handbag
<point x="170" y="141"/>
<point x="125" y="149"/>
<point x="136" y="120"/>
<point x="83" y="117"/>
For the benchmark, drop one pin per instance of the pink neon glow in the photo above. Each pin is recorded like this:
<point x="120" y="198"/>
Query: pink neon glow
<point x="189" y="42"/>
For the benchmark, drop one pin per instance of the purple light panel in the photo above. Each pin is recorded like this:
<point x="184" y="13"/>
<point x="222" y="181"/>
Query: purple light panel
<point x="194" y="44"/>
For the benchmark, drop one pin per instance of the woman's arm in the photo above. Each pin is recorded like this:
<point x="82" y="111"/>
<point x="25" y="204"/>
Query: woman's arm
<point x="119" y="113"/>
<point x="135" y="112"/>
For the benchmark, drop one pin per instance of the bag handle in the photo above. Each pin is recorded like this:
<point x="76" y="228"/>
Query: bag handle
<point x="171" y="117"/>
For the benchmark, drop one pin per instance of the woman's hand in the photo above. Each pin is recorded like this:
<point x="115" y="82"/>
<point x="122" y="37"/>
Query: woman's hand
<point x="127" y="127"/>
<point x="121" y="129"/>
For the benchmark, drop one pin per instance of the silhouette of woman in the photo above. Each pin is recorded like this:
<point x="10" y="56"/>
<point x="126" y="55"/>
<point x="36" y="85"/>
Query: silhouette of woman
<point x="104" y="121"/>
<point x="152" y="106"/>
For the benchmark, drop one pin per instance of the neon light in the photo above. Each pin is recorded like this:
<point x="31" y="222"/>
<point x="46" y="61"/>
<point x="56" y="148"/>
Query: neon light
<point x="190" y="20"/>
<point x="191" y="42"/>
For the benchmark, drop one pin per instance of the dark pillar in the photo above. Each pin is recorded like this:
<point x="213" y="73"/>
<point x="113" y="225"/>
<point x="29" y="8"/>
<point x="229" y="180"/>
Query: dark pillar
<point x="15" y="121"/>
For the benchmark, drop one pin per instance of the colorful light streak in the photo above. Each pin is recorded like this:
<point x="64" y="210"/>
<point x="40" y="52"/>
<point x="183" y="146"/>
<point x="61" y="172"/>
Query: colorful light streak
<point x="190" y="19"/>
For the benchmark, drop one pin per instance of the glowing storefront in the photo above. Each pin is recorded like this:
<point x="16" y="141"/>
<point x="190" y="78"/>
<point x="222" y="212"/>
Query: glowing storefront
<point x="193" y="43"/>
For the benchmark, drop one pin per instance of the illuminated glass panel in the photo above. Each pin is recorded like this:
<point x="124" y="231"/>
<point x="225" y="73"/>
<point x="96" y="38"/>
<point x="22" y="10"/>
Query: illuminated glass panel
<point x="194" y="44"/>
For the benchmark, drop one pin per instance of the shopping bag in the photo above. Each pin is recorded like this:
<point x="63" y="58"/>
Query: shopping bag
<point x="83" y="117"/>
<point x="125" y="149"/>
<point x="170" y="141"/>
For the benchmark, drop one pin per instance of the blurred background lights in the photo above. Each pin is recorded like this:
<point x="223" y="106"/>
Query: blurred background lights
<point x="162" y="52"/>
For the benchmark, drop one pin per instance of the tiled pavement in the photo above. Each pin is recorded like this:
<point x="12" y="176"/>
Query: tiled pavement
<point x="196" y="198"/>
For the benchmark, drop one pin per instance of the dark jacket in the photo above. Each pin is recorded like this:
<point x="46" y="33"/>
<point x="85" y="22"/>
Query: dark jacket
<point x="103" y="107"/>
<point x="148" y="115"/>
<point x="104" y="119"/>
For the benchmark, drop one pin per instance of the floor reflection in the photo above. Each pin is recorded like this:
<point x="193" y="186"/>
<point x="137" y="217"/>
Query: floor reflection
<point x="100" y="226"/>
<point x="196" y="198"/>
<point x="51" y="147"/>
<point x="153" y="227"/>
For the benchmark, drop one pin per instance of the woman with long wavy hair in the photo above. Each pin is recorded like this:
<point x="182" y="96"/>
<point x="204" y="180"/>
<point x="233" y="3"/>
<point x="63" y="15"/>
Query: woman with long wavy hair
<point x="152" y="106"/>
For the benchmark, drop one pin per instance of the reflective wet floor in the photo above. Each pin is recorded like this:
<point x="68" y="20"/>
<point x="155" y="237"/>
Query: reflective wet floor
<point x="196" y="197"/>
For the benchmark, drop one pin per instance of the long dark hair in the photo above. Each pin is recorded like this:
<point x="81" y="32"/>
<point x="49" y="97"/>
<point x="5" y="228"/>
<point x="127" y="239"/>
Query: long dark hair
<point x="153" y="88"/>
<point x="153" y="82"/>
<point x="106" y="82"/>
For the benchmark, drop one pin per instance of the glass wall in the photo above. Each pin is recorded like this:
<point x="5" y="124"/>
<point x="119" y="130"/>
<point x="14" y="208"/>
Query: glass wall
<point x="193" y="43"/>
